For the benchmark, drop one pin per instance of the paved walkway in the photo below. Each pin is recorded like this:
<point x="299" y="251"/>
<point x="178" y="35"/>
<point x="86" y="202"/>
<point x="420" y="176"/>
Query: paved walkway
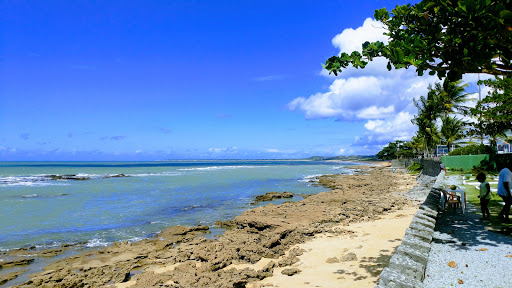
<point x="481" y="258"/>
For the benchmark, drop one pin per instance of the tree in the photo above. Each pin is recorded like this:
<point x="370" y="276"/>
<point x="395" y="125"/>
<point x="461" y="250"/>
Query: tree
<point x="396" y="149"/>
<point x="452" y="130"/>
<point x="388" y="152"/>
<point x="494" y="112"/>
<point x="444" y="37"/>
<point x="428" y="112"/>
<point x="407" y="150"/>
<point x="451" y="96"/>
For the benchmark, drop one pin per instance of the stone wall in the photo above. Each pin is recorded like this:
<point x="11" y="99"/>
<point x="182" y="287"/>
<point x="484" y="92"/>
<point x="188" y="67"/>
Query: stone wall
<point x="430" y="167"/>
<point x="407" y="266"/>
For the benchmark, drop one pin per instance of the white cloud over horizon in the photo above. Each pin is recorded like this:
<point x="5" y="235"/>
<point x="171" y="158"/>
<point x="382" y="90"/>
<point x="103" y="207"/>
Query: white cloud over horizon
<point x="381" y="98"/>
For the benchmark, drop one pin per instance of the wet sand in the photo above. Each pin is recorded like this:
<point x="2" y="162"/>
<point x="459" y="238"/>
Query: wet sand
<point x="344" y="227"/>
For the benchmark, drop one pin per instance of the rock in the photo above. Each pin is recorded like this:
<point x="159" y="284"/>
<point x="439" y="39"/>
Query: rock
<point x="180" y="257"/>
<point x="350" y="256"/>
<point x="269" y="196"/>
<point x="332" y="260"/>
<point x="16" y="262"/>
<point x="269" y="267"/>
<point x="291" y="271"/>
<point x="10" y="276"/>
<point x="288" y="261"/>
<point x="178" y="234"/>
<point x="117" y="176"/>
<point x="68" y="177"/>
<point x="181" y="230"/>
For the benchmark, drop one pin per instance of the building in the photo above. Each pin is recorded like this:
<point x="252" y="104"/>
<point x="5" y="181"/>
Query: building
<point x="503" y="147"/>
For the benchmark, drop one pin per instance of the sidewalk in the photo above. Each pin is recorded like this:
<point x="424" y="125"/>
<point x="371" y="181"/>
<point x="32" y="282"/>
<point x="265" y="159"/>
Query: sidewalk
<point x="481" y="258"/>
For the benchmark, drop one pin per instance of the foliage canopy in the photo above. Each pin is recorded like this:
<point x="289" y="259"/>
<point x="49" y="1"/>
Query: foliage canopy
<point x="494" y="112"/>
<point x="444" y="37"/>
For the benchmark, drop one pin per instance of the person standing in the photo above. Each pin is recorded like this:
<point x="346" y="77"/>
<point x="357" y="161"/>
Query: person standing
<point x="504" y="186"/>
<point x="485" y="195"/>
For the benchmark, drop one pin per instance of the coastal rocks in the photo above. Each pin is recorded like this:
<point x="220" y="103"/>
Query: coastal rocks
<point x="182" y="230"/>
<point x="180" y="257"/>
<point x="81" y="177"/>
<point x="15" y="262"/>
<point x="269" y="196"/>
<point x="291" y="271"/>
<point x="332" y="260"/>
<point x="68" y="177"/>
<point x="351" y="256"/>
<point x="10" y="276"/>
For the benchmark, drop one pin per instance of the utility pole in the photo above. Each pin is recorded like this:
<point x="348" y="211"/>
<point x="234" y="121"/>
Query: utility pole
<point x="480" y="99"/>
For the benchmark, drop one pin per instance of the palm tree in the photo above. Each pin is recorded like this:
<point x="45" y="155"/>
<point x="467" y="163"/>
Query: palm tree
<point x="452" y="130"/>
<point x="428" y="112"/>
<point x="451" y="96"/>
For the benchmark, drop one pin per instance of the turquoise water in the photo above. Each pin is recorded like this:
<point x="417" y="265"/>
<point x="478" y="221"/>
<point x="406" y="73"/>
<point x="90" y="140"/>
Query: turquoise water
<point x="36" y="210"/>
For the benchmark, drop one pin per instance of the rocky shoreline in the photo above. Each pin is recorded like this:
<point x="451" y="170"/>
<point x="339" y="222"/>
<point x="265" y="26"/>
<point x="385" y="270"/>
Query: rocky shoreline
<point x="182" y="257"/>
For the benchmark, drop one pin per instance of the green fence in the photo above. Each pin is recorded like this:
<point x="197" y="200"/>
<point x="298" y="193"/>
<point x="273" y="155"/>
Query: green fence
<point x="465" y="162"/>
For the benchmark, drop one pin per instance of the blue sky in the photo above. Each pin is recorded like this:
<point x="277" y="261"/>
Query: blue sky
<point x="149" y="80"/>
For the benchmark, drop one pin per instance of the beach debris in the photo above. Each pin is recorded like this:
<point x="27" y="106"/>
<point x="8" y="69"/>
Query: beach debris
<point x="291" y="271"/>
<point x="350" y="256"/>
<point x="510" y="256"/>
<point x="460" y="281"/>
<point x="452" y="264"/>
<point x="482" y="249"/>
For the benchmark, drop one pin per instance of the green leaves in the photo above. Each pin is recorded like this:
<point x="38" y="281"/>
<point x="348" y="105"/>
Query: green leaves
<point x="494" y="112"/>
<point x="448" y="38"/>
<point x="381" y="15"/>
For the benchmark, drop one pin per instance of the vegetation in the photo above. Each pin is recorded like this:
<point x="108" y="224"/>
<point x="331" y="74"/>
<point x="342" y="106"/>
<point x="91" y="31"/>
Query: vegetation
<point x="441" y="101"/>
<point x="494" y="205"/>
<point x="494" y="112"/>
<point x="397" y="149"/>
<point x="452" y="130"/>
<point x="415" y="168"/>
<point x="447" y="38"/>
<point x="344" y="158"/>
<point x="472" y="149"/>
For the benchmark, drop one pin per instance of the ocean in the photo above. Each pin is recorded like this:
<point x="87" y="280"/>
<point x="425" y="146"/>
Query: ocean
<point x="47" y="204"/>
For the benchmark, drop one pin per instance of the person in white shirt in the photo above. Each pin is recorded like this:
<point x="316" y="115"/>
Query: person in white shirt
<point x="504" y="187"/>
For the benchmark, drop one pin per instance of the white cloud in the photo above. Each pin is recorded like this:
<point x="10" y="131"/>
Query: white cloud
<point x="271" y="150"/>
<point x="351" y="40"/>
<point x="382" y="98"/>
<point x="223" y="150"/>
<point x="269" y="78"/>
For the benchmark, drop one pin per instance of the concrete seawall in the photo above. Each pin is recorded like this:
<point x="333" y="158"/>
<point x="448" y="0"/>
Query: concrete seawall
<point x="407" y="265"/>
<point x="430" y="167"/>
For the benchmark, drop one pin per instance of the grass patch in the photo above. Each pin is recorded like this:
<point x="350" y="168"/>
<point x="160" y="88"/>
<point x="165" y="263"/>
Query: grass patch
<point x="494" y="206"/>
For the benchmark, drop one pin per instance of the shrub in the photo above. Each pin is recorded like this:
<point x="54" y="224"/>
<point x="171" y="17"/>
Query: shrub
<point x="472" y="149"/>
<point x="415" y="168"/>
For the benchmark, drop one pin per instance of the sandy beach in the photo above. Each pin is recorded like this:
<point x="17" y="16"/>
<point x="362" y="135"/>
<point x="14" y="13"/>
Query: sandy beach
<point x="341" y="238"/>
